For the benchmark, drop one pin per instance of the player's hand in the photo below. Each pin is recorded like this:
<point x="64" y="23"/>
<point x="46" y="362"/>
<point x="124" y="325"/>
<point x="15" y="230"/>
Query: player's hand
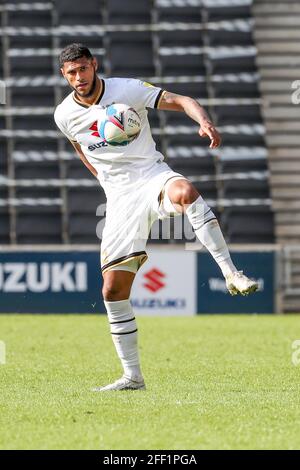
<point x="207" y="129"/>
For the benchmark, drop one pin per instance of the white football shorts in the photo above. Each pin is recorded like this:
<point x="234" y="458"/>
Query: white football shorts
<point x="130" y="214"/>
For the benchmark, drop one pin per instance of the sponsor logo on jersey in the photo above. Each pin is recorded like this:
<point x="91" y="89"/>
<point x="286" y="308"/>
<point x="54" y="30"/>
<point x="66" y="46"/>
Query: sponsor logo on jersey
<point x="98" y="145"/>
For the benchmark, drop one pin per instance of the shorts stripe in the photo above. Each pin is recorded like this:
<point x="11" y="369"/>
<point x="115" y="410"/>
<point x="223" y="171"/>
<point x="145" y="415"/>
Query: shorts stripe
<point x="123" y="258"/>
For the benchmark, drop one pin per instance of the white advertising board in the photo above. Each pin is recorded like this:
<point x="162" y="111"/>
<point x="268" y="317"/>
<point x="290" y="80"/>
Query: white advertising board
<point x="167" y="283"/>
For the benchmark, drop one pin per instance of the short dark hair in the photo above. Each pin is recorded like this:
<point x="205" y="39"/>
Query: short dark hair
<point x="73" y="52"/>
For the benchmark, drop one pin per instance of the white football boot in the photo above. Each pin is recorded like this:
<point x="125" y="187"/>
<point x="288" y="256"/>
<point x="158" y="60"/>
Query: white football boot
<point x="124" y="383"/>
<point x="238" y="283"/>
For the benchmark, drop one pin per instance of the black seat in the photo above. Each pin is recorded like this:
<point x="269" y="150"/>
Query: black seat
<point x="73" y="12"/>
<point x="248" y="224"/>
<point x="30" y="18"/>
<point x="133" y="12"/>
<point x="175" y="13"/>
<point x="183" y="64"/>
<point x="131" y="58"/>
<point x="83" y="228"/>
<point x="43" y="95"/>
<point x="4" y="222"/>
<point x="83" y="200"/>
<point x="236" y="114"/>
<point x="39" y="225"/>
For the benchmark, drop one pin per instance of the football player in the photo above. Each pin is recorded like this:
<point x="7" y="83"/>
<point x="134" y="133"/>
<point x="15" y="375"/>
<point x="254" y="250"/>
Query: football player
<point x="140" y="188"/>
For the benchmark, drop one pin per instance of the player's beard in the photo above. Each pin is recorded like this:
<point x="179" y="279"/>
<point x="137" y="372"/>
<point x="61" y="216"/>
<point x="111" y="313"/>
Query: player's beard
<point x="91" y="91"/>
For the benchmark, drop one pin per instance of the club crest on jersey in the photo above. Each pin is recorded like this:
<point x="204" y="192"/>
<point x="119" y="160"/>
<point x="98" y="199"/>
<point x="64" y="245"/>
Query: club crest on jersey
<point x="94" y="128"/>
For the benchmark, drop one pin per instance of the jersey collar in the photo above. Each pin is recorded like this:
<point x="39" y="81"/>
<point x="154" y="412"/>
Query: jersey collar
<point x="98" y="98"/>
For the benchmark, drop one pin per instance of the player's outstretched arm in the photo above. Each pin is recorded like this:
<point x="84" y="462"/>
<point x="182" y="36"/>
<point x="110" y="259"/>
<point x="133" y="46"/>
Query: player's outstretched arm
<point x="83" y="158"/>
<point x="173" y="102"/>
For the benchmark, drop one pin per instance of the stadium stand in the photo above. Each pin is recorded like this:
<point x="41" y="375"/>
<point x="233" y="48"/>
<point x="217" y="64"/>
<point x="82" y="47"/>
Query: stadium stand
<point x="277" y="34"/>
<point x="202" y="48"/>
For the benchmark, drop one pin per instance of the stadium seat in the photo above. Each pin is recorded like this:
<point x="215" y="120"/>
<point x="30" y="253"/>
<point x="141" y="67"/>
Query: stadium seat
<point x="82" y="229"/>
<point x="1" y="62"/>
<point x="36" y="122"/>
<point x="39" y="170"/>
<point x="243" y="165"/>
<point x="196" y="89"/>
<point x="36" y="192"/>
<point x="73" y="12"/>
<point x="253" y="225"/>
<point x="84" y="200"/>
<point x="239" y="64"/>
<point x="175" y="13"/>
<point x="39" y="226"/>
<point x="43" y="95"/>
<point x="192" y="166"/>
<point x="4" y="224"/>
<point x="133" y="12"/>
<point x="217" y="12"/>
<point x="131" y="58"/>
<point x="237" y="139"/>
<point x="30" y="18"/>
<point x="245" y="188"/>
<point x="235" y="114"/>
<point x="183" y="38"/>
<point x="222" y="37"/>
<point x="229" y="90"/>
<point x="187" y="64"/>
<point x="31" y="66"/>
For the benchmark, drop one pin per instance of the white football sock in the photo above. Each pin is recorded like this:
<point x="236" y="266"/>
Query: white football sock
<point x="123" y="328"/>
<point x="207" y="230"/>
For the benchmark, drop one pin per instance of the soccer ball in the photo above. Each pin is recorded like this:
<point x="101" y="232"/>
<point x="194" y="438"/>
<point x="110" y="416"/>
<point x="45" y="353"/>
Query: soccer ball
<point x="120" y="125"/>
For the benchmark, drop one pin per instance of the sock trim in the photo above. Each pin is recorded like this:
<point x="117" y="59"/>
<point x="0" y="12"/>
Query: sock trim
<point x="121" y="321"/>
<point x="207" y="212"/>
<point x="213" y="218"/>
<point x="125" y="333"/>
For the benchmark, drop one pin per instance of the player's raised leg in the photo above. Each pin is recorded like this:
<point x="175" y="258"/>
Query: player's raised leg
<point x="123" y="328"/>
<point x="185" y="198"/>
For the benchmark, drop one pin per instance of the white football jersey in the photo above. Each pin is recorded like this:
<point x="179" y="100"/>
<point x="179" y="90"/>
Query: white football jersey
<point x="115" y="165"/>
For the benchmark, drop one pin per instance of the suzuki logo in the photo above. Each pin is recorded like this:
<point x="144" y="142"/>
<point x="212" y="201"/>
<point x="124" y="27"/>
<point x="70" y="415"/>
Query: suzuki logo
<point x="154" y="280"/>
<point x="41" y="277"/>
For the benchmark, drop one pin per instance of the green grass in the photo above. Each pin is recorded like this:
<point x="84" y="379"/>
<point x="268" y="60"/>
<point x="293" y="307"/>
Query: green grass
<point x="214" y="382"/>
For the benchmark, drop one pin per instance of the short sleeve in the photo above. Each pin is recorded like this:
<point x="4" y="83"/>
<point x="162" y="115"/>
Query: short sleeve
<point x="144" y="93"/>
<point x="61" y="125"/>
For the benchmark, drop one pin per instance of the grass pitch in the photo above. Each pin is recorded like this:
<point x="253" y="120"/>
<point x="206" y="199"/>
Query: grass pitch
<point x="214" y="382"/>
